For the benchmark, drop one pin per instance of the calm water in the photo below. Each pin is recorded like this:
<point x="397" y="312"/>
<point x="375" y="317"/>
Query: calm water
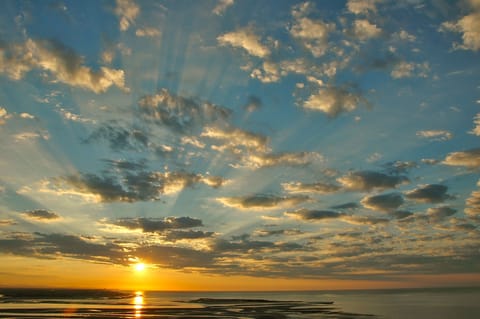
<point x="459" y="303"/>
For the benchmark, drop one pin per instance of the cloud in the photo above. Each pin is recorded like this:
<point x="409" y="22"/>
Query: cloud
<point x="150" y="225"/>
<point x="312" y="33"/>
<point x="119" y="138"/>
<point x="362" y="6"/>
<point x="175" y="235"/>
<point x="400" y="167"/>
<point x="245" y="39"/>
<point x="370" y="180"/>
<point x="314" y="215"/>
<point x="175" y="257"/>
<point x="63" y="245"/>
<point x="7" y="222"/>
<point x="254" y="103"/>
<point x="132" y="186"/>
<point x="41" y="215"/>
<point x="469" y="26"/>
<point x="346" y="206"/>
<point x="333" y="101"/>
<point x="179" y="113"/>
<point x="127" y="11"/>
<point x="475" y="130"/>
<point x="469" y="158"/>
<point x="365" y="220"/>
<point x="364" y="30"/>
<point x="236" y="139"/>
<point x="277" y="232"/>
<point x="281" y="159"/>
<point x="400" y="214"/>
<point x="404" y="69"/>
<point x="383" y="203"/>
<point x="61" y="62"/>
<point x="4" y="115"/>
<point x="472" y="204"/>
<point x="148" y="32"/>
<point x="262" y="201"/>
<point x="431" y="193"/>
<point x="438" y="214"/>
<point x="222" y="6"/>
<point x="317" y="188"/>
<point x="29" y="136"/>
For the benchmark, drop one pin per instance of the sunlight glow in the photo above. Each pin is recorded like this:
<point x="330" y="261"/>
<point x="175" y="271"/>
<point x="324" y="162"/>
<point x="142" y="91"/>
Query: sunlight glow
<point x="140" y="267"/>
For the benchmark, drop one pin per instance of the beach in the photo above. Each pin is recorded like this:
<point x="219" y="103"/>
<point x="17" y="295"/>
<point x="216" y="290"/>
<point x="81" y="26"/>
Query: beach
<point x="70" y="303"/>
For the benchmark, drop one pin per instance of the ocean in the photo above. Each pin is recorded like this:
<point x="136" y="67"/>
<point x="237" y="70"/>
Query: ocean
<point x="458" y="303"/>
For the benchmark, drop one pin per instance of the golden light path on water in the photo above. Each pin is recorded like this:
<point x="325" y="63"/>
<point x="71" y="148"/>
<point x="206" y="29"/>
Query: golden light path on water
<point x="138" y="304"/>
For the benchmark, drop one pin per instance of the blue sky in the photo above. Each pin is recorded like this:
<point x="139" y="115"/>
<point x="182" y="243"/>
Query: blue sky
<point x="286" y="139"/>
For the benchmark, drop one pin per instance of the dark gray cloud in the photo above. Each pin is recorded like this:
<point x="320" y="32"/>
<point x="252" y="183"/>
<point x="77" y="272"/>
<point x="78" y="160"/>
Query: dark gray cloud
<point x="55" y="245"/>
<point x="346" y="206"/>
<point x="179" y="113"/>
<point x="174" y="235"/>
<point x="431" y="193"/>
<point x="277" y="232"/>
<point x="128" y="186"/>
<point x="122" y="165"/>
<point x="438" y="214"/>
<point x="400" y="214"/>
<point x="384" y="202"/>
<point x="157" y="224"/>
<point x="253" y="103"/>
<point x="400" y="167"/>
<point x="312" y="215"/>
<point x="41" y="215"/>
<point x="260" y="201"/>
<point x="176" y="257"/>
<point x="119" y="138"/>
<point x="370" y="180"/>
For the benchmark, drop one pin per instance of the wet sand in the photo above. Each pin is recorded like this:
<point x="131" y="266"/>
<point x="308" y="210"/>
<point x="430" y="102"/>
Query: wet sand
<point x="198" y="308"/>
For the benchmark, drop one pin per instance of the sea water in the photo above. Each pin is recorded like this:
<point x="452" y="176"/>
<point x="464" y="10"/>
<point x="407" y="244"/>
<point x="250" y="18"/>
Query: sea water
<point x="458" y="303"/>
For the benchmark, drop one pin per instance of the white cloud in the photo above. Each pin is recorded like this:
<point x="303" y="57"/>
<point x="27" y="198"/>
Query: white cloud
<point x="3" y="115"/>
<point x="267" y="74"/>
<point x="61" y="62"/>
<point x="472" y="208"/>
<point x="333" y="101"/>
<point x="435" y="135"/>
<point x="364" y="30"/>
<point x="406" y="69"/>
<point x="221" y="6"/>
<point x="127" y="11"/>
<point x="147" y="32"/>
<point x="246" y="39"/>
<point x="234" y="139"/>
<point x="312" y="33"/>
<point x="26" y="116"/>
<point x="469" y="26"/>
<point x="362" y="6"/>
<point x="470" y="158"/>
<point x="28" y="136"/>
<point x="476" y="129"/>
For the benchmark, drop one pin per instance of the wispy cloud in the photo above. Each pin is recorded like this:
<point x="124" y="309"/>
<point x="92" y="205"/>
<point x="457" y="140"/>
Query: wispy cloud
<point x="262" y="201"/>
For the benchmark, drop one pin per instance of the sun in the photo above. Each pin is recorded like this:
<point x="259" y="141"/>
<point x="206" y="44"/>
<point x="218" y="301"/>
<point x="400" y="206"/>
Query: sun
<point x="139" y="267"/>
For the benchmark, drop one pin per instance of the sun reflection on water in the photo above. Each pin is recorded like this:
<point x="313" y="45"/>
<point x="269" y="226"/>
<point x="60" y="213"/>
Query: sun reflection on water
<point x="138" y="304"/>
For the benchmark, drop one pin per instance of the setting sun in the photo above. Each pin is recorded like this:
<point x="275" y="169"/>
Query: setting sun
<point x="139" y="267"/>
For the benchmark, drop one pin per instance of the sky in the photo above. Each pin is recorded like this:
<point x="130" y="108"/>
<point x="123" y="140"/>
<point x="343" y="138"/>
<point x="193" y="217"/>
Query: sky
<point x="240" y="145"/>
